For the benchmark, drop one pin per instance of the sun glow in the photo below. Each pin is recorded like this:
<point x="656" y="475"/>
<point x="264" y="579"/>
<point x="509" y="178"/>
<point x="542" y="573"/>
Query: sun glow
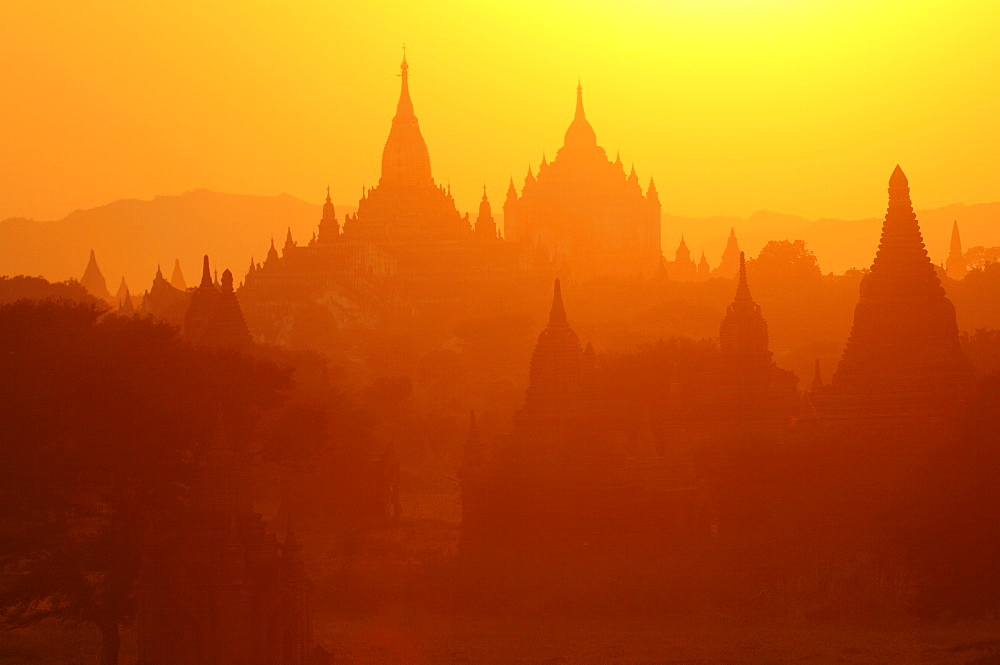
<point x="796" y="106"/>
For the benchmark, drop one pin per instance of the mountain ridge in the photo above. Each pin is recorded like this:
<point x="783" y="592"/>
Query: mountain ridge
<point x="131" y="236"/>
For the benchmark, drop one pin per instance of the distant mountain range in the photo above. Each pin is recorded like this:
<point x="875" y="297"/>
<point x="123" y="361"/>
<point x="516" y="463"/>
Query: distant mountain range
<point x="838" y="244"/>
<point x="131" y="237"/>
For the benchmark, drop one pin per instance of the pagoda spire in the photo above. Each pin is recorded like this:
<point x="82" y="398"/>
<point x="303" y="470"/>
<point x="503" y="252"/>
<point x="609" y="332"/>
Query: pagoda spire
<point x="405" y="159"/>
<point x="177" y="278"/>
<point x="557" y="314"/>
<point x="955" y="266"/>
<point x="743" y="332"/>
<point x="580" y="134"/>
<point x="206" y="274"/>
<point x="580" y="114"/>
<point x="742" y="286"/>
<point x="404" y="107"/>
<point x="93" y="280"/>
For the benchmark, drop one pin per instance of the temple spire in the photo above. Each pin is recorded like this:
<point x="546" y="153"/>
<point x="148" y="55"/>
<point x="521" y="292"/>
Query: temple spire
<point x="580" y="134"/>
<point x="743" y="287"/>
<point x="557" y="315"/>
<point x="955" y="265"/>
<point x="206" y="274"/>
<point x="405" y="159"/>
<point x="404" y="108"/>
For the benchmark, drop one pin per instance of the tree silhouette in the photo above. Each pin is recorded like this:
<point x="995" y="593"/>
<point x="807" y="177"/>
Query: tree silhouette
<point x="104" y="419"/>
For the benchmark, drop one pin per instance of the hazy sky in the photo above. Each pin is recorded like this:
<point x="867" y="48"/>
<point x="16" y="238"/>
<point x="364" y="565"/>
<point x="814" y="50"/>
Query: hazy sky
<point x="799" y="106"/>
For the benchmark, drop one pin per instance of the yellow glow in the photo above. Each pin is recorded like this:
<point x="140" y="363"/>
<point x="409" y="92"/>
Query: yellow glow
<point x="797" y="106"/>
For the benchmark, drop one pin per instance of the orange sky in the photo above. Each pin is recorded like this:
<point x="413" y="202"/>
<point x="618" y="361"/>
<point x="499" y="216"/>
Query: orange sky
<point x="799" y="106"/>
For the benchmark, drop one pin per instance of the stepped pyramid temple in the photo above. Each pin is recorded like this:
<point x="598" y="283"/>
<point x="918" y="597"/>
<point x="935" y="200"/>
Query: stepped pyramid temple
<point x="563" y="478"/>
<point x="406" y="251"/>
<point x="902" y="367"/>
<point x="585" y="208"/>
<point x="215" y="586"/>
<point x="955" y="266"/>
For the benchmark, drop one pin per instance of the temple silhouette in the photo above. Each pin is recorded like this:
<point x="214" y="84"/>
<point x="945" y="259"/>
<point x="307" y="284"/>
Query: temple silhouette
<point x="565" y="477"/>
<point x="902" y="368"/>
<point x="584" y="209"/>
<point x="407" y="251"/>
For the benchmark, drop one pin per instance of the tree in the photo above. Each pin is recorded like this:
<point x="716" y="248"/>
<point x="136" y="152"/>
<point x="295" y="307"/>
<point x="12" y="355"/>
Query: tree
<point x="104" y="418"/>
<point x="785" y="262"/>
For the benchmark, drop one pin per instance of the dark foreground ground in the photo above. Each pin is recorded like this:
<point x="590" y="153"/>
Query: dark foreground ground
<point x="448" y="640"/>
<point x="651" y="641"/>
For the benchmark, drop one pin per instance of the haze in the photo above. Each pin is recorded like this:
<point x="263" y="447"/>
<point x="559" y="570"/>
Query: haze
<point x="799" y="107"/>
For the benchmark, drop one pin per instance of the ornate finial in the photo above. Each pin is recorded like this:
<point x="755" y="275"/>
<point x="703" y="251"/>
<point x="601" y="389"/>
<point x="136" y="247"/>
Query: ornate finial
<point x="580" y="115"/>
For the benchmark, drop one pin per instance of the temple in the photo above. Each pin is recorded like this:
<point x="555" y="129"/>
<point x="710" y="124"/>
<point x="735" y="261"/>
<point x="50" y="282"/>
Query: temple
<point x="93" y="281"/>
<point x="165" y="302"/>
<point x="585" y="208"/>
<point x="406" y="205"/>
<point x="902" y="367"/>
<point x="213" y="317"/>
<point x="746" y="396"/>
<point x="565" y="477"/>
<point x="406" y="251"/>
<point x="683" y="268"/>
<point x="955" y="267"/>
<point x="729" y="264"/>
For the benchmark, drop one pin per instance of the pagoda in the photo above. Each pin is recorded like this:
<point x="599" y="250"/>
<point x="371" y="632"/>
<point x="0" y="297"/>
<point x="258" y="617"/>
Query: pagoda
<point x="729" y="265"/>
<point x="902" y="364"/>
<point x="955" y="267"/>
<point x="93" y="281"/>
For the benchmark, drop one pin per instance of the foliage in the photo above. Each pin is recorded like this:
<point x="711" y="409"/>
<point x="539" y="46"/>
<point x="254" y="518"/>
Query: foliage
<point x="104" y="418"/>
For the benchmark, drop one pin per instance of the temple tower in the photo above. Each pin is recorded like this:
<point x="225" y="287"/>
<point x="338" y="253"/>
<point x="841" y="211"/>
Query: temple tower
<point x="729" y="265"/>
<point x="177" y="278"/>
<point x="329" y="228"/>
<point x="486" y="228"/>
<point x="405" y="159"/>
<point x="955" y="266"/>
<point x="743" y="341"/>
<point x="93" y="280"/>
<point x="903" y="356"/>
<point x="214" y="317"/>
<point x="406" y="205"/>
<point x="553" y="394"/>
